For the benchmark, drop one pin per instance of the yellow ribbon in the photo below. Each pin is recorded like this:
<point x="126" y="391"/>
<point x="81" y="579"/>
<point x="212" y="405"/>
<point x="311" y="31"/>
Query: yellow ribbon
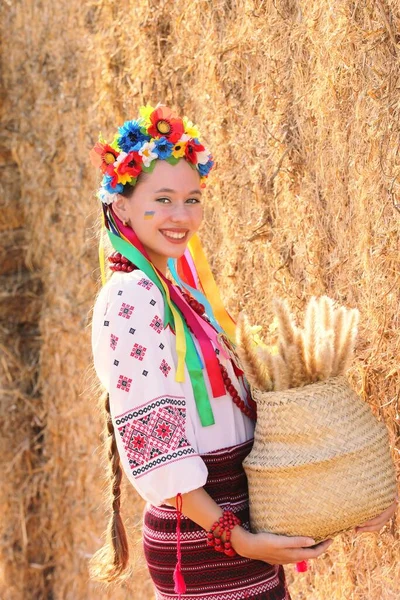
<point x="102" y="259"/>
<point x="210" y="288"/>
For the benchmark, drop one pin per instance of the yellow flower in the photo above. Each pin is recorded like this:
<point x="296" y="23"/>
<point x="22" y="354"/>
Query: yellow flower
<point x="179" y="150"/>
<point x="123" y="178"/>
<point x="145" y="112"/>
<point x="191" y="129"/>
<point x="114" y="143"/>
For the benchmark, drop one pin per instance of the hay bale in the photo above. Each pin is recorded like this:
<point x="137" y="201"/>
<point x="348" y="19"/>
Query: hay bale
<point x="300" y="108"/>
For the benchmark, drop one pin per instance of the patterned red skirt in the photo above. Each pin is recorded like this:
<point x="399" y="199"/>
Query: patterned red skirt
<point x="210" y="575"/>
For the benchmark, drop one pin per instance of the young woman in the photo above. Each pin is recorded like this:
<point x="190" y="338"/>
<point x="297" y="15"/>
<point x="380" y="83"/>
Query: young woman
<point x="179" y="413"/>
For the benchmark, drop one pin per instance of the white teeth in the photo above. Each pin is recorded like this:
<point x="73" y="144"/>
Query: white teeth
<point x="176" y="236"/>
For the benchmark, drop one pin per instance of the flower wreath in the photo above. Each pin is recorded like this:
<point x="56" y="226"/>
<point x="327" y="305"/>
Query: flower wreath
<point x="157" y="133"/>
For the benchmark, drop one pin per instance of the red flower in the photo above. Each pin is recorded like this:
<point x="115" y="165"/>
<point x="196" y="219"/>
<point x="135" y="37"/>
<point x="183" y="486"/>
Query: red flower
<point x="102" y="155"/>
<point x="113" y="174"/>
<point x="191" y="151"/>
<point x="164" y="124"/>
<point x="131" y="164"/>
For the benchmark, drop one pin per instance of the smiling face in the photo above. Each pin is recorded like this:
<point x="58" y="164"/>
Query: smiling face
<point x="164" y="210"/>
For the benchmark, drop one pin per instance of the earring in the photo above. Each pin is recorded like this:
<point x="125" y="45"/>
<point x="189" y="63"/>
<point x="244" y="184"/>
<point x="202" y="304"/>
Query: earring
<point x="125" y="223"/>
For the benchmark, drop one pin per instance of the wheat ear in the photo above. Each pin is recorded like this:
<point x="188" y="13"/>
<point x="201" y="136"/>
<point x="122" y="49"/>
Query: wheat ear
<point x="256" y="372"/>
<point x="303" y="376"/>
<point x="324" y="348"/>
<point x="325" y="354"/>
<point x="266" y="358"/>
<point x="349" y="338"/>
<point x="326" y="308"/>
<point x="339" y="319"/>
<point x="311" y="338"/>
<point x="285" y="321"/>
<point x="298" y="376"/>
<point x="280" y="373"/>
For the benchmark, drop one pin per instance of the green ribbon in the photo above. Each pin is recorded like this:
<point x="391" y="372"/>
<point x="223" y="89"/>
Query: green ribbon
<point x="191" y="359"/>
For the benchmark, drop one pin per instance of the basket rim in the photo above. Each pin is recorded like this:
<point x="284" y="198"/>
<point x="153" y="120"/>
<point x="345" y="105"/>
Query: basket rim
<point x="283" y="395"/>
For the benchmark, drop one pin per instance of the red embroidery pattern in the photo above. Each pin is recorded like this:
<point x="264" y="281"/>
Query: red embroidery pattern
<point x="163" y="429"/>
<point x="138" y="442"/>
<point x="154" y="434"/>
<point x="156" y="324"/>
<point x="138" y="351"/>
<point x="146" y="283"/>
<point x="165" y="368"/>
<point x="126" y="310"/>
<point x="113" y="341"/>
<point x="124" y="383"/>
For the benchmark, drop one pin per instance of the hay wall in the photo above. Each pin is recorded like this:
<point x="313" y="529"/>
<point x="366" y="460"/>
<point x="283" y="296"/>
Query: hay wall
<point x="299" y="102"/>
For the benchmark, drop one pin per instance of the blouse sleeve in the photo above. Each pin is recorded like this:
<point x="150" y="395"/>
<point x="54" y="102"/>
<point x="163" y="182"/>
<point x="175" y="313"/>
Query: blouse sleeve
<point x="134" y="361"/>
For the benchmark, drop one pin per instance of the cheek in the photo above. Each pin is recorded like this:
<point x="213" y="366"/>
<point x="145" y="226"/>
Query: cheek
<point x="148" y="215"/>
<point x="199" y="215"/>
<point x="148" y="219"/>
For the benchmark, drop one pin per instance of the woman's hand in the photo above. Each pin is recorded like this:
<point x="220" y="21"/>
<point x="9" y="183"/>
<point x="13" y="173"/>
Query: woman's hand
<point x="276" y="549"/>
<point x="378" y="522"/>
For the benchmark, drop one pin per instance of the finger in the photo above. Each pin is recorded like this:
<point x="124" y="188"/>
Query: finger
<point x="382" y="518"/>
<point x="307" y="553"/>
<point x="372" y="523"/>
<point x="321" y="547"/>
<point x="370" y="528"/>
<point x="316" y="546"/>
<point x="297" y="542"/>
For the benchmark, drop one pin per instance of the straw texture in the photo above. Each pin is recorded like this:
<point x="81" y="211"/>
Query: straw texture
<point x="299" y="102"/>
<point x="320" y="463"/>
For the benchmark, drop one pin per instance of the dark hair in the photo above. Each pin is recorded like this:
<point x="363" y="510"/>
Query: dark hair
<point x="110" y="563"/>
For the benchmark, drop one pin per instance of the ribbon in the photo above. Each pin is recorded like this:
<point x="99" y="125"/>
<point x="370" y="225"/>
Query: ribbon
<point x="173" y="318"/>
<point x="184" y="271"/>
<point x="196" y="294"/>
<point x="210" y="287"/>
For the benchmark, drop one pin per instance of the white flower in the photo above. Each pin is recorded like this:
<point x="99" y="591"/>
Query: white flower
<point x="147" y="154"/>
<point x="105" y="196"/>
<point x="120" y="158"/>
<point x="203" y="157"/>
<point x="184" y="138"/>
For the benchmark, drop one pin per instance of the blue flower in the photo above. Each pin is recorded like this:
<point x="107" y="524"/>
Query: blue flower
<point x="131" y="136"/>
<point x="163" y="148"/>
<point x="205" y="169"/>
<point x="107" y="185"/>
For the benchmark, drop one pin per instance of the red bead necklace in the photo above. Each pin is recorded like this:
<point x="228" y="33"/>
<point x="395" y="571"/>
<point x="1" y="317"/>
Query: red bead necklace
<point x="118" y="262"/>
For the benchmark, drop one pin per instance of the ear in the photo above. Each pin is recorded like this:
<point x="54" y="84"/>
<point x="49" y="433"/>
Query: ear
<point x="120" y="206"/>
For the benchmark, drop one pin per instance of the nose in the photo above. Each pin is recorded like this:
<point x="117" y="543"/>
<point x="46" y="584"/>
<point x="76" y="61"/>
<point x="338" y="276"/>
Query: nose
<point x="180" y="214"/>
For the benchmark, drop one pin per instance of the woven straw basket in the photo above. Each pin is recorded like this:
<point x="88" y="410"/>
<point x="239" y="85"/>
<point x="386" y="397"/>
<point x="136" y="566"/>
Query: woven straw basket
<point x="320" y="463"/>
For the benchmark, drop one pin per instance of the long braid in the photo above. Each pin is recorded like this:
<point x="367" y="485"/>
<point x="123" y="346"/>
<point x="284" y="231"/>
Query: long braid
<point x="110" y="563"/>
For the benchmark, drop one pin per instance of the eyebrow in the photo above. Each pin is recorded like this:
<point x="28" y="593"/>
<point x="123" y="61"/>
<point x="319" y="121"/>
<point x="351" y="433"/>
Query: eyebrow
<point x="174" y="191"/>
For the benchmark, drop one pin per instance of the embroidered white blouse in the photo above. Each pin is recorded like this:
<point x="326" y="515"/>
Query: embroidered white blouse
<point x="158" y="431"/>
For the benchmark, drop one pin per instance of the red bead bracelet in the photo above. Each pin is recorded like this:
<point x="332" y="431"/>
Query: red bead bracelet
<point x="225" y="524"/>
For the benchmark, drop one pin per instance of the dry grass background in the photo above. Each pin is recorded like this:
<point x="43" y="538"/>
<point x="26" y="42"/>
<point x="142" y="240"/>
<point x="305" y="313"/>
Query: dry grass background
<point x="300" y="103"/>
